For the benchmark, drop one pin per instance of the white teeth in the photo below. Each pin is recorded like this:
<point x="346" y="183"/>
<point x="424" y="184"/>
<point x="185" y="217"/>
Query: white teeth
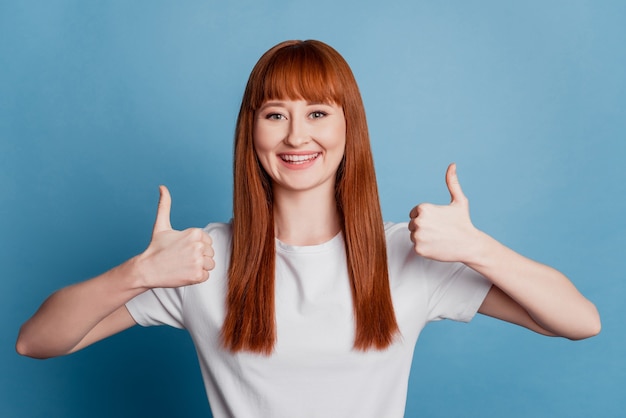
<point x="298" y="159"/>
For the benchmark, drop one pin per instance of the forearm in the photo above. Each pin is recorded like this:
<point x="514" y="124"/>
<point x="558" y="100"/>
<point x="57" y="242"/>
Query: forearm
<point x="69" y="314"/>
<point x="84" y="313"/>
<point x="547" y="295"/>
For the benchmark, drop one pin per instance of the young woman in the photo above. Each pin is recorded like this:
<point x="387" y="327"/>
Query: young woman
<point x="313" y="305"/>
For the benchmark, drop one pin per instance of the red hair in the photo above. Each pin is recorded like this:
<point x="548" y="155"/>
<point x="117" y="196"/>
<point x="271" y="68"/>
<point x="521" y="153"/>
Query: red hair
<point x="313" y="71"/>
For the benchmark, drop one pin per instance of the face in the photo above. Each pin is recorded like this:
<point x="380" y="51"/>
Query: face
<point x="300" y="144"/>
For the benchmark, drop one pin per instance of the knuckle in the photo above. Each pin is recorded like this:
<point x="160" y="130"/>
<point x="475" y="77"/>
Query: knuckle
<point x="418" y="223"/>
<point x="198" y="247"/>
<point x="198" y="276"/>
<point x="425" y="207"/>
<point x="197" y="271"/>
<point x="420" y="249"/>
<point x="419" y="237"/>
<point x="418" y="210"/>
<point x="211" y="264"/>
<point x="195" y="234"/>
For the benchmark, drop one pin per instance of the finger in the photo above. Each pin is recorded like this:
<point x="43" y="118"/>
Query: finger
<point x="415" y="212"/>
<point x="209" y="263"/>
<point x="206" y="239"/>
<point x="454" y="187"/>
<point x="162" y="222"/>
<point x="208" y="250"/>
<point x="419" y="210"/>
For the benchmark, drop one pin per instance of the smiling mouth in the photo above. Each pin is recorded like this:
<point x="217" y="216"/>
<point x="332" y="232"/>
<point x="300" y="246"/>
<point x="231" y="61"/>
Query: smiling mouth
<point x="298" y="159"/>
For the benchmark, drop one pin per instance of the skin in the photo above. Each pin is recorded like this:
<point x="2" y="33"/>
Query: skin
<point x="289" y="130"/>
<point x="81" y="314"/>
<point x="524" y="292"/>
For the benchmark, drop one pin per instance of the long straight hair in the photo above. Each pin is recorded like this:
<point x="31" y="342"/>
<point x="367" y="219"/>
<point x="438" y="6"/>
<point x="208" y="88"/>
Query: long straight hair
<point x="312" y="71"/>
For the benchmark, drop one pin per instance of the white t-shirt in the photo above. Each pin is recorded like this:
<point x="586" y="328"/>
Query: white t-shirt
<point x="314" y="370"/>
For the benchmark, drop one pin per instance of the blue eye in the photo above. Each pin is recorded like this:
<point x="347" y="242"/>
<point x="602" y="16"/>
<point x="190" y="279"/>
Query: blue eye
<point x="274" y="116"/>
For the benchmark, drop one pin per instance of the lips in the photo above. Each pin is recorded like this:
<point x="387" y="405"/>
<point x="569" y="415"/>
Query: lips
<point x="299" y="158"/>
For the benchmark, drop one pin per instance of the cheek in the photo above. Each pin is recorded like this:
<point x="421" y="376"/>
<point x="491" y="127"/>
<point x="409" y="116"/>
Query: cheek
<point x="261" y="155"/>
<point x="264" y="139"/>
<point x="257" y="138"/>
<point x="258" y="146"/>
<point x="339" y="136"/>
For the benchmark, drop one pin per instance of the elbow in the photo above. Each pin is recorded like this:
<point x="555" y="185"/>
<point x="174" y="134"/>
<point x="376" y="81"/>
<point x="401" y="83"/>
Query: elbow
<point x="584" y="335"/>
<point x="576" y="327"/>
<point x="25" y="348"/>
<point x="591" y="327"/>
<point x="589" y="332"/>
<point x="21" y="345"/>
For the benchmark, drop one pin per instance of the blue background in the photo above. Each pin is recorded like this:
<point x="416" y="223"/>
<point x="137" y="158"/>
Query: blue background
<point x="102" y="101"/>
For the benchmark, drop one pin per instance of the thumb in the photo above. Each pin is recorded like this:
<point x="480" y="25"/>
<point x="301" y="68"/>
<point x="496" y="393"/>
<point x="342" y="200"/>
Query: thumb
<point x="162" y="222"/>
<point x="454" y="187"/>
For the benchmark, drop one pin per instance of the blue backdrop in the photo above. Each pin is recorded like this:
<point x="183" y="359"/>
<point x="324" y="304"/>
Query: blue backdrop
<point x="102" y="101"/>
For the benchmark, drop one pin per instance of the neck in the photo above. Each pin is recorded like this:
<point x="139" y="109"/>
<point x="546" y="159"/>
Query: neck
<point x="305" y="217"/>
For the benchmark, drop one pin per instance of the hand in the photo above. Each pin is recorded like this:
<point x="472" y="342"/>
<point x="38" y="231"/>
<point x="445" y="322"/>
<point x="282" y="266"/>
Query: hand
<point x="444" y="233"/>
<point x="175" y="258"/>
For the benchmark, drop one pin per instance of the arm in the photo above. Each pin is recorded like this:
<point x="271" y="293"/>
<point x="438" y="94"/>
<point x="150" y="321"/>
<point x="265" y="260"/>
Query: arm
<point x="81" y="314"/>
<point x="533" y="293"/>
<point x="525" y="292"/>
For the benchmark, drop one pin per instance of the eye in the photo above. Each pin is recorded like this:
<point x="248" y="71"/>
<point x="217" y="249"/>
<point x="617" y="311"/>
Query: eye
<point x="274" y="116"/>
<point x="317" y="114"/>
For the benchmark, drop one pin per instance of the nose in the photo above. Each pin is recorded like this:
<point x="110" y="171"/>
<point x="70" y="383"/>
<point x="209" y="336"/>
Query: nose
<point x="298" y="134"/>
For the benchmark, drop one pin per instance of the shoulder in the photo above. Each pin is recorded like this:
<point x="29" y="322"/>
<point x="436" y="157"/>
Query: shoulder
<point x="220" y="233"/>
<point x="397" y="237"/>
<point x="221" y="238"/>
<point x="403" y="260"/>
<point x="400" y="253"/>
<point x="396" y="229"/>
<point x="218" y="228"/>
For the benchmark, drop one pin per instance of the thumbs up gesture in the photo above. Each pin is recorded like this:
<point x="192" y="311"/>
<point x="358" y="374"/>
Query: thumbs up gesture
<point x="175" y="258"/>
<point x="444" y="233"/>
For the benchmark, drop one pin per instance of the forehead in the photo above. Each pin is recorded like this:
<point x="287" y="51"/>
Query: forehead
<point x="308" y="77"/>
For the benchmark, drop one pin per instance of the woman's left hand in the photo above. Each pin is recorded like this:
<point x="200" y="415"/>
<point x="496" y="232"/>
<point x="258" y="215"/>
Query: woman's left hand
<point x="525" y="292"/>
<point x="445" y="233"/>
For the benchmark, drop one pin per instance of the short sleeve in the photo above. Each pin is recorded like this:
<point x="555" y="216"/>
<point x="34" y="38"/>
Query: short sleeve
<point x="456" y="291"/>
<point x="443" y="290"/>
<point x="158" y="307"/>
<point x="166" y="306"/>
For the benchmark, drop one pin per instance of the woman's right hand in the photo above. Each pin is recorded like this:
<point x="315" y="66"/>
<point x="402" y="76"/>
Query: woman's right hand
<point x="83" y="313"/>
<point x="174" y="258"/>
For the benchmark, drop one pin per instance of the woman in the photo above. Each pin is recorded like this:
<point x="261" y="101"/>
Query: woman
<point x="314" y="305"/>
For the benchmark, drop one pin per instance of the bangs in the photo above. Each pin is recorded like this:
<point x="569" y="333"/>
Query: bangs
<point x="299" y="72"/>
